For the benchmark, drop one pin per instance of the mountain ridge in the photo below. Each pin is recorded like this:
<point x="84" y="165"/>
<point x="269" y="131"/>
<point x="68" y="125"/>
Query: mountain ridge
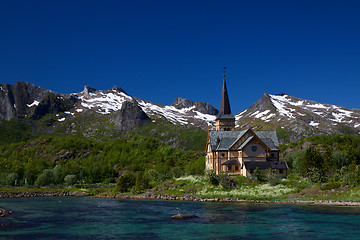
<point x="292" y="117"/>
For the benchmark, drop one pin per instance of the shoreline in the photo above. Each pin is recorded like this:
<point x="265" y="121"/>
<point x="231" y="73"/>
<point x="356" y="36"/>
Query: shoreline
<point x="196" y="199"/>
<point x="175" y="198"/>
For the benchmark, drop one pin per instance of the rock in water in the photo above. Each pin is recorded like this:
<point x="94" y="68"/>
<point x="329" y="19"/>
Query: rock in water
<point x="4" y="212"/>
<point x="183" y="216"/>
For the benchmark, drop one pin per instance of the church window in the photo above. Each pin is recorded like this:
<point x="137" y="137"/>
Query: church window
<point x="254" y="148"/>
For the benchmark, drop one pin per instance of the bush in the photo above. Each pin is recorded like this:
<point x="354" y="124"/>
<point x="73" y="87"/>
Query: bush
<point x="226" y="181"/>
<point x="330" y="185"/>
<point x="70" y="179"/>
<point x="125" y="182"/>
<point x="45" y="178"/>
<point x="12" y="179"/>
<point x="57" y="172"/>
<point x="212" y="177"/>
<point x="271" y="177"/>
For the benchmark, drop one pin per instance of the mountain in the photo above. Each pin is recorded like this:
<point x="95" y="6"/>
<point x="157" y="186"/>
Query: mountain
<point x="16" y="100"/>
<point x="96" y="113"/>
<point x="295" y="118"/>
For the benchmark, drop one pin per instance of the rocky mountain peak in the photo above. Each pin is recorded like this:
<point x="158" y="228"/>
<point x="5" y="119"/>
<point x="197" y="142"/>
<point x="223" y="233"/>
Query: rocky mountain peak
<point x="118" y="89"/>
<point x="87" y="91"/>
<point x="182" y="103"/>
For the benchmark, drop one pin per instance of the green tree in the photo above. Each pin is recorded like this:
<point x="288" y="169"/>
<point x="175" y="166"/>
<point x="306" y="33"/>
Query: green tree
<point x="312" y="161"/>
<point x="125" y="182"/>
<point x="12" y="179"/>
<point x="45" y="178"/>
<point x="70" y="179"/>
<point x="58" y="176"/>
<point x="340" y="159"/>
<point x="141" y="183"/>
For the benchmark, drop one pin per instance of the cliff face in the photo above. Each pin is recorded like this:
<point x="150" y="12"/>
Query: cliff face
<point x="202" y="107"/>
<point x="16" y="100"/>
<point x="129" y="116"/>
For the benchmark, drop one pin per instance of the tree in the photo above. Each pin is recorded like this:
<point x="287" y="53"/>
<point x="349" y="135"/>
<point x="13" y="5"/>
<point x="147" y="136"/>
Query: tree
<point x="45" y="178"/>
<point x="70" y="179"/>
<point x="58" y="176"/>
<point x="141" y="183"/>
<point x="125" y="182"/>
<point x="312" y="159"/>
<point x="12" y="179"/>
<point x="340" y="159"/>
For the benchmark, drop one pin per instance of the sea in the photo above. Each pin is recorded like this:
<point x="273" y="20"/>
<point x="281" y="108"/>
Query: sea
<point x="99" y="218"/>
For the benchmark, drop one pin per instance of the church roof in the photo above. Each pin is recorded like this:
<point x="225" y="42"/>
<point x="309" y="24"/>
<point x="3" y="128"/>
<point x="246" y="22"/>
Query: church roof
<point x="223" y="140"/>
<point x="225" y="110"/>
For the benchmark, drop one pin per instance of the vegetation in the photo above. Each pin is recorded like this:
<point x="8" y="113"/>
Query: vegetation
<point x="56" y="160"/>
<point x="333" y="158"/>
<point x="146" y="161"/>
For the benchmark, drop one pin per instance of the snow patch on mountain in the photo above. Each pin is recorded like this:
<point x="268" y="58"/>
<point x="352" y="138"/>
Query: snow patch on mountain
<point x="105" y="103"/>
<point x="35" y="103"/>
<point x="176" y="115"/>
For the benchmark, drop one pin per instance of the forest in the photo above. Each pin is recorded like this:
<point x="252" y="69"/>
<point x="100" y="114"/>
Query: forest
<point x="325" y="158"/>
<point x="68" y="160"/>
<point x="137" y="163"/>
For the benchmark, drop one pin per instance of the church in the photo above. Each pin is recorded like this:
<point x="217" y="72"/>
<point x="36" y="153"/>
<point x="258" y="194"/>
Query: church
<point x="241" y="152"/>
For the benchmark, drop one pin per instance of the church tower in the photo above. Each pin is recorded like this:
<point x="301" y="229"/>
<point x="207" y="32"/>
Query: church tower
<point x="225" y="121"/>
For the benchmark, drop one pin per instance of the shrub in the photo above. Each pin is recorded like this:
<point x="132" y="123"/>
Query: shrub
<point x="226" y="181"/>
<point x="12" y="179"/>
<point x="57" y="172"/>
<point x="70" y="179"/>
<point x="45" y="178"/>
<point x="330" y="185"/>
<point x="212" y="177"/>
<point x="125" y="182"/>
<point x="271" y="177"/>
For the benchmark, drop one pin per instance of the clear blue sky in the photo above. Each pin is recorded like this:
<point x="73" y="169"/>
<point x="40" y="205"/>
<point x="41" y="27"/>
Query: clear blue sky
<point x="158" y="50"/>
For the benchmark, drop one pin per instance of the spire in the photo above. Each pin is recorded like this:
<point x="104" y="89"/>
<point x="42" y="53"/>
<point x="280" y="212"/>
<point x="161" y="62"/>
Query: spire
<point x="224" y="104"/>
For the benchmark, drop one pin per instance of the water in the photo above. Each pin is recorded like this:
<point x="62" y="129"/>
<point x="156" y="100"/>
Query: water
<point x="87" y="218"/>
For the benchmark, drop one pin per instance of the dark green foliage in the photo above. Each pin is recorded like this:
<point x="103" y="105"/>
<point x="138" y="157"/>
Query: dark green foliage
<point x="14" y="130"/>
<point x="45" y="178"/>
<point x="70" y="179"/>
<point x="329" y="158"/>
<point x="58" y="175"/>
<point x="226" y="181"/>
<point x="12" y="179"/>
<point x="212" y="177"/>
<point x="330" y="185"/>
<point x="141" y="182"/>
<point x="125" y="182"/>
<point x="95" y="162"/>
<point x="272" y="178"/>
<point x="258" y="175"/>
<point x="185" y="137"/>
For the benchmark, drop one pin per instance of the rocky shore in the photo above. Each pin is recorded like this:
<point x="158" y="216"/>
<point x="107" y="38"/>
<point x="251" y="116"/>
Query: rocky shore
<point x="172" y="198"/>
<point x="39" y="194"/>
<point x="191" y="198"/>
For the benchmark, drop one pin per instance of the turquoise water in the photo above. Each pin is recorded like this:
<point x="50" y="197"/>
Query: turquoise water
<point x="88" y="218"/>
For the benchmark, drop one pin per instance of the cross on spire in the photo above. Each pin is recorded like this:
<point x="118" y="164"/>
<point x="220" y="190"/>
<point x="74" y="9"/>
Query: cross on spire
<point x="225" y="103"/>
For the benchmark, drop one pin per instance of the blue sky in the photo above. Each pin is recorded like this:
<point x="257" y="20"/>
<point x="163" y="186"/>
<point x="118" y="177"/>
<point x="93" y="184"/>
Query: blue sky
<point x="158" y="50"/>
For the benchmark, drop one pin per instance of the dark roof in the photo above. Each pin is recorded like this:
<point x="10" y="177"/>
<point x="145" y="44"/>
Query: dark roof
<point x="225" y="103"/>
<point x="233" y="161"/>
<point x="223" y="140"/>
<point x="265" y="165"/>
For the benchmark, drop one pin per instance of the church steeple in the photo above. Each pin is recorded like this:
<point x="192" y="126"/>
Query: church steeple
<point x="225" y="121"/>
<point x="224" y="104"/>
